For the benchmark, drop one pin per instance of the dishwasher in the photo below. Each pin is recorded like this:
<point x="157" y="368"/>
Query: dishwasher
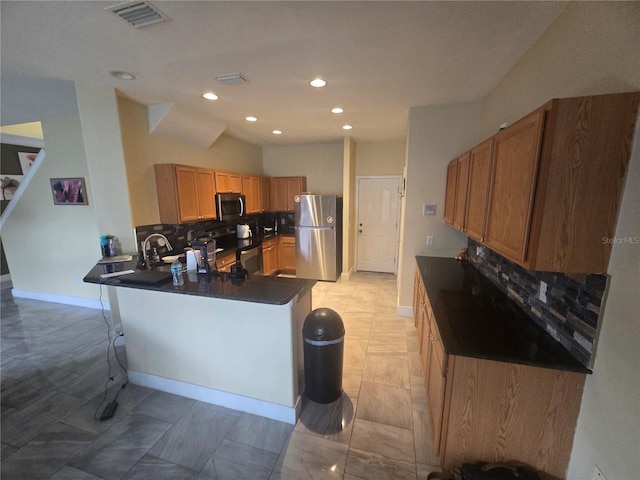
<point x="251" y="259"/>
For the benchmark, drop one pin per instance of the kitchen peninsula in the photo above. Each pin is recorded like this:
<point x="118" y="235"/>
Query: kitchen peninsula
<point x="229" y="342"/>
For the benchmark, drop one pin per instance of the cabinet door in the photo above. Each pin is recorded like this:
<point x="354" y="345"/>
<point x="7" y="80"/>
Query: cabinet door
<point x="279" y="194"/>
<point x="187" y="186"/>
<point x="294" y="187"/>
<point x="287" y="253"/>
<point x="417" y="286"/>
<point x="461" y="192"/>
<point x="269" y="259"/>
<point x="248" y="193"/>
<point x="206" y="193"/>
<point x="222" y="182"/>
<point x="256" y="192"/>
<point x="235" y="182"/>
<point x="513" y="179"/>
<point x="478" y="191"/>
<point x="265" y="183"/>
<point x="435" y="393"/>
<point x="450" y="195"/>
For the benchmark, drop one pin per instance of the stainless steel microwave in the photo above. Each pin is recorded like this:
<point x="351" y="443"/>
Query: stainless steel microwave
<point x="230" y="206"/>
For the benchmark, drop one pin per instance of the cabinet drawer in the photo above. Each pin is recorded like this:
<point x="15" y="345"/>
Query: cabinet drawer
<point x="288" y="240"/>
<point x="271" y="242"/>
<point x="224" y="263"/>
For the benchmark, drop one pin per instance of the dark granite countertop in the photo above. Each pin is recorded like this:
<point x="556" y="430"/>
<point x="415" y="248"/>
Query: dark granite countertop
<point x="475" y="319"/>
<point x="256" y="288"/>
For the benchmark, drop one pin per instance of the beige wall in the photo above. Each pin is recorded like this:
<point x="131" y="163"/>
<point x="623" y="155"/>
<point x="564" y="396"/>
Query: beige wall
<point x="142" y="150"/>
<point x="105" y="161"/>
<point x="380" y="158"/>
<point x="592" y="48"/>
<point x="320" y="163"/>
<point x="50" y="248"/>
<point x="436" y="135"/>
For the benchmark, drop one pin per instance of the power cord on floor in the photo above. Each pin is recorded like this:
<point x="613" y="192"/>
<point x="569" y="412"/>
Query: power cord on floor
<point x="110" y="407"/>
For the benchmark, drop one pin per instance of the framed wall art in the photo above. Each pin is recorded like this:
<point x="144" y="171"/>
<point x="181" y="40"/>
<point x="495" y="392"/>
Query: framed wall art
<point x="68" y="191"/>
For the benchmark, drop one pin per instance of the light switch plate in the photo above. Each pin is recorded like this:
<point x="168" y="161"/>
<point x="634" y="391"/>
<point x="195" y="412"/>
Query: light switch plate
<point x="429" y="209"/>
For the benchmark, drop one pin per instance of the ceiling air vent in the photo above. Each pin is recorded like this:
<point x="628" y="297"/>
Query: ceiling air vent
<point x="231" y="79"/>
<point x="138" y="14"/>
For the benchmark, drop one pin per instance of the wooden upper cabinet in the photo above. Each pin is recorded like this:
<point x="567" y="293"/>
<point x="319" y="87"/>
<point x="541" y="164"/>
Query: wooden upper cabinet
<point x="278" y="189"/>
<point x="461" y="192"/>
<point x="450" y="196"/>
<point x="251" y="188"/>
<point x="283" y="191"/>
<point x="228" y="182"/>
<point x="295" y="186"/>
<point x="206" y="188"/>
<point x="512" y="185"/>
<point x="185" y="194"/>
<point x="478" y="190"/>
<point x="265" y="193"/>
<point x="557" y="180"/>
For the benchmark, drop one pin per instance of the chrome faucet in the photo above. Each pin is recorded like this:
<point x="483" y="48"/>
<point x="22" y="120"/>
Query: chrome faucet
<point x="146" y="241"/>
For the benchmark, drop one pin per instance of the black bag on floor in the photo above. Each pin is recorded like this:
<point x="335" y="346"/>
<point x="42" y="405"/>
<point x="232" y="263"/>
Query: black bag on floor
<point x="497" y="471"/>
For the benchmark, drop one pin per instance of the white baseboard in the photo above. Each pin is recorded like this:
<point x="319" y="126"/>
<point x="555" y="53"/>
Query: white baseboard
<point x="65" y="299"/>
<point x="345" y="276"/>
<point x="218" y="397"/>
<point x="405" y="311"/>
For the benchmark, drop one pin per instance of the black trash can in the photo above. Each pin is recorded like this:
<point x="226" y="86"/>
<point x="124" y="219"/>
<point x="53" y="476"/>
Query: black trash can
<point x="323" y="335"/>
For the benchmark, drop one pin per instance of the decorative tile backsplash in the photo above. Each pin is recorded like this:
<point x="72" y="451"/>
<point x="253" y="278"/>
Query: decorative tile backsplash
<point x="573" y="304"/>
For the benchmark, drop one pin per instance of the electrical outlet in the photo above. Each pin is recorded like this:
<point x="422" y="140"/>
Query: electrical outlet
<point x="480" y="251"/>
<point x="597" y="474"/>
<point x="430" y="240"/>
<point x="543" y="292"/>
<point x="117" y="328"/>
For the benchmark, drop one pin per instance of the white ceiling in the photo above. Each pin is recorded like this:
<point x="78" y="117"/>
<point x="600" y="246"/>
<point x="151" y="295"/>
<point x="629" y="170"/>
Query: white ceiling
<point x="379" y="58"/>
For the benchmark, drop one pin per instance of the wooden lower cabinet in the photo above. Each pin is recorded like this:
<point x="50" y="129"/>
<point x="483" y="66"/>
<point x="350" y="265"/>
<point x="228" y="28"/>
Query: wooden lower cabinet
<point x="223" y="264"/>
<point x="495" y="411"/>
<point x="486" y="410"/>
<point x="270" y="256"/>
<point x="287" y="253"/>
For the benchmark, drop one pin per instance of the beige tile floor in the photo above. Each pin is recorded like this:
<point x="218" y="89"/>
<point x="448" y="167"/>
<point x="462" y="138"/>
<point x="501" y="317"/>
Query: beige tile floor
<point x="52" y="383"/>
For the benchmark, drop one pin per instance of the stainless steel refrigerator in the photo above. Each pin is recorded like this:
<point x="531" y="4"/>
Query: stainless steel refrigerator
<point x="318" y="236"/>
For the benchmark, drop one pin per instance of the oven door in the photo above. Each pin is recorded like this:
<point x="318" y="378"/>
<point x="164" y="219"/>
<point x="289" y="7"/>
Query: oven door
<point x="251" y="260"/>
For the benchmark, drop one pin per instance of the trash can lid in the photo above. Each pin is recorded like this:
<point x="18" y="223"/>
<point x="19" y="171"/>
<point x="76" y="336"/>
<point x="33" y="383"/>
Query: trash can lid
<point x="323" y="324"/>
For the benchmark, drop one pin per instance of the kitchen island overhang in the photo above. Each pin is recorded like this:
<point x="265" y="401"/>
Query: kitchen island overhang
<point x="237" y="346"/>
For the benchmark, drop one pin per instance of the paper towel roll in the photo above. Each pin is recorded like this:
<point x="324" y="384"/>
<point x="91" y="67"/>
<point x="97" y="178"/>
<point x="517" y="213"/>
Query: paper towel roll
<point x="193" y="259"/>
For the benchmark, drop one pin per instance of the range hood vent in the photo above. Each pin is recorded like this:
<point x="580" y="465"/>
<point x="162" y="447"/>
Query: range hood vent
<point x="138" y="14"/>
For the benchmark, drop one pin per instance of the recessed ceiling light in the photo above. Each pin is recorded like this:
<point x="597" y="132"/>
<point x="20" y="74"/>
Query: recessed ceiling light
<point x="122" y="75"/>
<point x="347" y="127"/>
<point x="251" y="119"/>
<point x="277" y="132"/>
<point x="337" y="110"/>
<point x="317" y="82"/>
<point x="210" y="96"/>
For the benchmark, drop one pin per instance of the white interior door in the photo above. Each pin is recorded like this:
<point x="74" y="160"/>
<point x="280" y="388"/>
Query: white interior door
<point x="377" y="223"/>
